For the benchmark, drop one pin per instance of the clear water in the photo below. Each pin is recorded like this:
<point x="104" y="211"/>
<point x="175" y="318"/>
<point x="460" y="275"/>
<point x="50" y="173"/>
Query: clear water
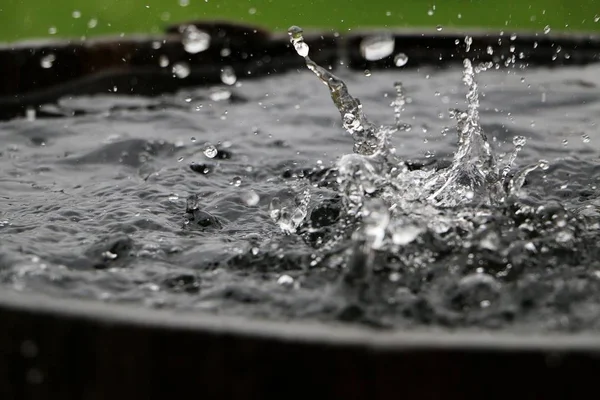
<point x="253" y="199"/>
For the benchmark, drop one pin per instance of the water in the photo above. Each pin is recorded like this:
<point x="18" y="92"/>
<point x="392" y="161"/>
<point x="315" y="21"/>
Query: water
<point x="289" y="209"/>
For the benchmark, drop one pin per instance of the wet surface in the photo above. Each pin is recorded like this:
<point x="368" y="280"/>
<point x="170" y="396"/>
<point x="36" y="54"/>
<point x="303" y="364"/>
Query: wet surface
<point x="122" y="200"/>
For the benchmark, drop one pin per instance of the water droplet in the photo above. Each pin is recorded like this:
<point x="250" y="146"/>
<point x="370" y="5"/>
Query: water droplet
<point x="251" y="198"/>
<point x="228" y="75"/>
<point x="92" y="23"/>
<point x="543" y="164"/>
<point x="48" y="61"/>
<point x="564" y="236"/>
<point x="430" y="12"/>
<point x="210" y="151"/>
<point x="596" y="18"/>
<point x="163" y="61"/>
<point x="236" y="181"/>
<point x="439" y="28"/>
<point x="547" y="29"/>
<point x="490" y="50"/>
<point x="585" y="138"/>
<point x="220" y="95"/>
<point x="367" y="72"/>
<point x="519" y="141"/>
<point x="565" y="142"/>
<point x="405" y="235"/>
<point x="184" y="3"/>
<point x="225" y="52"/>
<point x="193" y="139"/>
<point x="76" y="14"/>
<point x="378" y="47"/>
<point x="468" y="43"/>
<point x="52" y="30"/>
<point x="180" y="159"/>
<point x="285" y="280"/>
<point x="297" y="40"/>
<point x="194" y="40"/>
<point x="252" y="11"/>
<point x="400" y="59"/>
<point x="107" y="255"/>
<point x="181" y="70"/>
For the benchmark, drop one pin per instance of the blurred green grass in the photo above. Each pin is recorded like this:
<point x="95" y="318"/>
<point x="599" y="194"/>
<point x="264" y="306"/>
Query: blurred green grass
<point x="21" y="19"/>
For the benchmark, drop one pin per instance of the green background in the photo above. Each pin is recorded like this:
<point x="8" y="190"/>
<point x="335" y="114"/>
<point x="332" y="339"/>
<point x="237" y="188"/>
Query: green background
<point x="23" y="19"/>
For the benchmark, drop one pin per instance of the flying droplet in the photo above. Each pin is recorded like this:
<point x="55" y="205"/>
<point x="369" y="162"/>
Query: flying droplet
<point x="297" y="40"/>
<point x="210" y="151"/>
<point x="163" y="61"/>
<point x="181" y="70"/>
<point x="52" y="30"/>
<point x="367" y="72"/>
<point x="193" y="139"/>
<point x="596" y="18"/>
<point x="439" y="28"/>
<point x="76" y="14"/>
<point x="180" y="159"/>
<point x="585" y="138"/>
<point x="92" y="23"/>
<point x="194" y="40"/>
<point x="374" y="48"/>
<point x="228" y="75"/>
<point x="547" y="29"/>
<point x="543" y="164"/>
<point x="400" y="59"/>
<point x="48" y="61"/>
<point x="468" y="43"/>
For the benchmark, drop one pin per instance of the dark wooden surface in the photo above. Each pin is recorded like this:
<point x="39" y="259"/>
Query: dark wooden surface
<point x="53" y="356"/>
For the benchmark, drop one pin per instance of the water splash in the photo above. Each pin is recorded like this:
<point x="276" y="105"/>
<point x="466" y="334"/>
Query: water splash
<point x="394" y="204"/>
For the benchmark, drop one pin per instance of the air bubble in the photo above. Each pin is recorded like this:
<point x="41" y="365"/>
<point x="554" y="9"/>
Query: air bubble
<point x="210" y="151"/>
<point x="251" y="198"/>
<point x="236" y="181"/>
